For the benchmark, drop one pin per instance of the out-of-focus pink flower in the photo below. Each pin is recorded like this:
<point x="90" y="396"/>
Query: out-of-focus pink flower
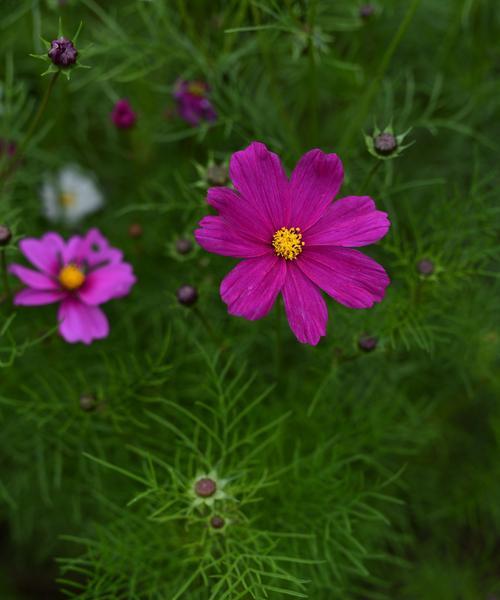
<point x="80" y="274"/>
<point x="122" y="115"/>
<point x="192" y="100"/>
<point x="294" y="239"/>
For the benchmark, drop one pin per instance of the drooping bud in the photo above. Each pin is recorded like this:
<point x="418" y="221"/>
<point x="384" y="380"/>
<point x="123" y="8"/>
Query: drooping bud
<point x="88" y="402"/>
<point x="367" y="343"/>
<point x="217" y="522"/>
<point x="187" y="295"/>
<point x="425" y="267"/>
<point x="205" y="487"/>
<point x="135" y="230"/>
<point x="62" y="52"/>
<point x="385" y="143"/>
<point x="183" y="246"/>
<point x="122" y="115"/>
<point x="5" y="235"/>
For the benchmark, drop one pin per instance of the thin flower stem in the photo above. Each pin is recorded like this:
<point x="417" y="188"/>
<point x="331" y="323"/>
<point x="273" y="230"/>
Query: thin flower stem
<point x="369" y="176"/>
<point x="204" y="321"/>
<point x="5" y="277"/>
<point x="278" y="348"/>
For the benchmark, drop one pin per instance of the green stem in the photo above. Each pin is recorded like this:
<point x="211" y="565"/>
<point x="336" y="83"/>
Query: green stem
<point x="5" y="277"/>
<point x="356" y="122"/>
<point x="204" y="321"/>
<point x="369" y="176"/>
<point x="279" y="346"/>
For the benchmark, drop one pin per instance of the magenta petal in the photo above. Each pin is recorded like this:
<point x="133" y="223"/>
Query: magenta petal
<point x="29" y="297"/>
<point x="259" y="177"/>
<point x="81" y="323"/>
<point x="216" y="236"/>
<point x="351" y="221"/>
<point x="240" y="215"/>
<point x="93" y="248"/>
<point x="250" y="289"/>
<point x="347" y="275"/>
<point x="305" y="307"/>
<point x="105" y="283"/>
<point x="314" y="183"/>
<point x="34" y="279"/>
<point x="45" y="253"/>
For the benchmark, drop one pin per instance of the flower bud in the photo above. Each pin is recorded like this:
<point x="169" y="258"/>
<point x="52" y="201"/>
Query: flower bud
<point x="183" y="246"/>
<point x="366" y="11"/>
<point x="367" y="343"/>
<point x="135" y="230"/>
<point x="5" y="235"/>
<point x="122" y="115"/>
<point x="385" y="143"/>
<point x="205" y="487"/>
<point x="217" y="175"/>
<point x="87" y="402"/>
<point x="425" y="267"/>
<point x="217" y="522"/>
<point x="62" y="52"/>
<point x="187" y="295"/>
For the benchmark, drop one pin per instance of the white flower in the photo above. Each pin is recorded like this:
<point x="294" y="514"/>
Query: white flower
<point x="70" y="196"/>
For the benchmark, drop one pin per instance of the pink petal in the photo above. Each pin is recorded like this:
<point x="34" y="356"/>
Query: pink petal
<point x="250" y="289"/>
<point x="259" y="177"/>
<point x="347" y="275"/>
<point x="45" y="253"/>
<point x="29" y="297"/>
<point x="314" y="183"/>
<point x="105" y="283"/>
<point x="34" y="279"/>
<point x="217" y="236"/>
<point x="240" y="215"/>
<point x="305" y="307"/>
<point x="81" y="323"/>
<point x="351" y="221"/>
<point x="93" y="248"/>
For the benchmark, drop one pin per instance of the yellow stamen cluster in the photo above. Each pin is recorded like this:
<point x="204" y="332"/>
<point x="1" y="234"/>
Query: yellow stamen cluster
<point x="66" y="199"/>
<point x="71" y="277"/>
<point x="288" y="243"/>
<point x="196" y="88"/>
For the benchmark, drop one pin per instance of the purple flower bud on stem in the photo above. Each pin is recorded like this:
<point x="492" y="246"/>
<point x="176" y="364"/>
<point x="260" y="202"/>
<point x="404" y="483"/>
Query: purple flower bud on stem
<point x="366" y="11"/>
<point x="217" y="522"/>
<point x="385" y="143"/>
<point x="62" y="52"/>
<point x="183" y="246"/>
<point x="425" y="267"/>
<point x="367" y="343"/>
<point x="187" y="295"/>
<point x="123" y="116"/>
<point x="205" y="487"/>
<point x="5" y="235"/>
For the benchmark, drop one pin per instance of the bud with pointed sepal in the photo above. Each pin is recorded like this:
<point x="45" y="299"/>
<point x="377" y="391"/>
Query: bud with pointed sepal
<point x="385" y="144"/>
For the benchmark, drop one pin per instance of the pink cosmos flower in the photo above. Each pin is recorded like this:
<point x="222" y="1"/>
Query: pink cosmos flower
<point x="81" y="274"/>
<point x="193" y="104"/>
<point x="123" y="116"/>
<point x="294" y="239"/>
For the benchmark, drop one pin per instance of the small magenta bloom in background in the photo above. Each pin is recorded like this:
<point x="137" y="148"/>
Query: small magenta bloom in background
<point x="81" y="274"/>
<point x="192" y="101"/>
<point x="123" y="115"/>
<point x="294" y="239"/>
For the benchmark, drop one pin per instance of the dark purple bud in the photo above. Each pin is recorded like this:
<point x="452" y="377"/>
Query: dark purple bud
<point x="425" y="267"/>
<point x="217" y="522"/>
<point x="123" y="116"/>
<point x="385" y="143"/>
<point x="217" y="175"/>
<point x="366" y="11"/>
<point x="187" y="295"/>
<point x="367" y="343"/>
<point x="87" y="402"/>
<point x="5" y="235"/>
<point x="205" y="487"/>
<point x="7" y="147"/>
<point x="135" y="230"/>
<point x="62" y="52"/>
<point x="183" y="246"/>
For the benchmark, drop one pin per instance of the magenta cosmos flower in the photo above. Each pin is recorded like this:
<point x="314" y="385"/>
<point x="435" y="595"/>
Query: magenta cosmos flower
<point x="294" y="239"/>
<point x="81" y="274"/>
<point x="123" y="115"/>
<point x="192" y="100"/>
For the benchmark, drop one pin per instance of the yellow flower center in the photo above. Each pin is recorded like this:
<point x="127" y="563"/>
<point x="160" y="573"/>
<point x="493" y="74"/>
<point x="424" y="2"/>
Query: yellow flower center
<point x="66" y="199"/>
<point x="288" y="242"/>
<point x="196" y="88"/>
<point x="71" y="277"/>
